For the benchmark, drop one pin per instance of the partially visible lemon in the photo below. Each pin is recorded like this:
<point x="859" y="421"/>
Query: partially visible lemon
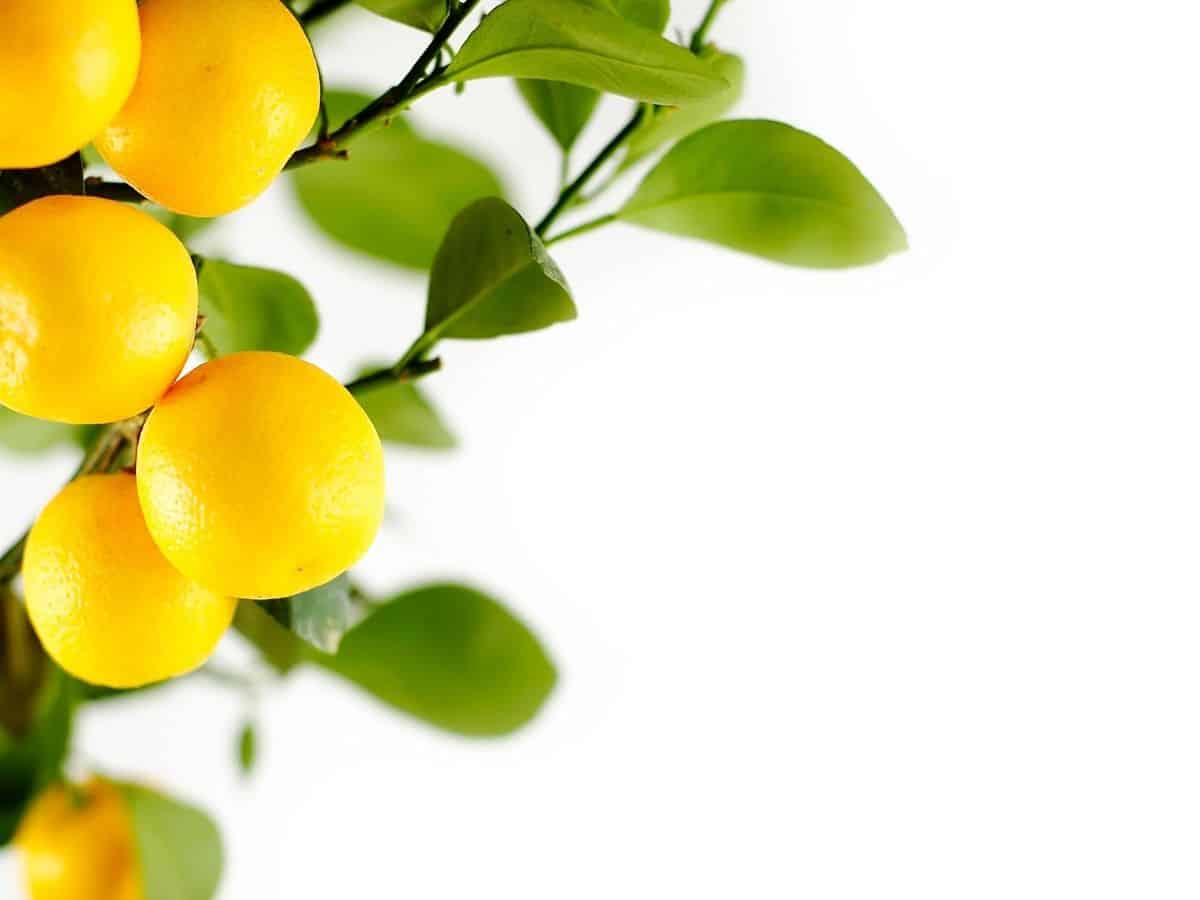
<point x="261" y="476"/>
<point x="68" y="66"/>
<point x="97" y="309"/>
<point x="227" y="90"/>
<point x="77" y="844"/>
<point x="106" y="605"/>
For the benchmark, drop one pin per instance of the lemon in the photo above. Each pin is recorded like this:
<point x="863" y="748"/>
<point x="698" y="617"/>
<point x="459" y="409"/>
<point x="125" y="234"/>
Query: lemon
<point x="227" y="90"/>
<point x="261" y="476"/>
<point x="104" y="602"/>
<point x="68" y="67"/>
<point x="78" y="845"/>
<point x="97" y="309"/>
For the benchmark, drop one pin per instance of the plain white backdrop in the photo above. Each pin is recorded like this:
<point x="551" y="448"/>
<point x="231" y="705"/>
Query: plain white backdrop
<point x="869" y="584"/>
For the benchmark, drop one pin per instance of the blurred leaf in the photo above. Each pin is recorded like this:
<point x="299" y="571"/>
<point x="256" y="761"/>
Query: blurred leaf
<point x="25" y="434"/>
<point x="771" y="190"/>
<point x="451" y="656"/>
<point x="667" y="124"/>
<point x="652" y="14"/>
<point x="185" y="227"/>
<point x="396" y="195"/>
<point x="19" y="186"/>
<point x="319" y="617"/>
<point x="32" y="760"/>
<point x="424" y="14"/>
<point x="402" y="415"/>
<point x="247" y="308"/>
<point x="563" y="108"/>
<point x="247" y="747"/>
<point x="277" y="645"/>
<point x="492" y="276"/>
<point x="580" y="43"/>
<point x="178" y="846"/>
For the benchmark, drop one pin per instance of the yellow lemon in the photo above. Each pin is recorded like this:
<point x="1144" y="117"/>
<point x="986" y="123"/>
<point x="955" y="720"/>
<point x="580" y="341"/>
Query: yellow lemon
<point x="227" y="90"/>
<point x="68" y="66"/>
<point x="261" y="476"/>
<point x="104" y="602"/>
<point x="97" y="309"/>
<point x="78" y="844"/>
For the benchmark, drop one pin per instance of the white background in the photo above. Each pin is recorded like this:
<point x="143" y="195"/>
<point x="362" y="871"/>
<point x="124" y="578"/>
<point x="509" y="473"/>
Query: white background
<point x="862" y="585"/>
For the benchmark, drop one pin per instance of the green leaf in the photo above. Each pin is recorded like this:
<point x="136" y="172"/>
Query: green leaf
<point x="25" y="434"/>
<point x="491" y="277"/>
<point x="403" y="415"/>
<point x="178" y="846"/>
<point x="667" y="124"/>
<point x="396" y="195"/>
<point x="185" y="227"/>
<point x="564" y="109"/>
<point x="450" y="656"/>
<point x="319" y="617"/>
<point x="771" y="190"/>
<point x="32" y="760"/>
<point x="247" y="308"/>
<point x="576" y="42"/>
<point x="247" y="747"/>
<point x="19" y="186"/>
<point x="424" y="14"/>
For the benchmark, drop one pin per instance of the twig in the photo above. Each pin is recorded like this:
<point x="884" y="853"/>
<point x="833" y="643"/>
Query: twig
<point x="404" y="371"/>
<point x="415" y="84"/>
<point x="701" y="33"/>
<point x="112" y="190"/>
<point x="320" y="10"/>
<point x="571" y="190"/>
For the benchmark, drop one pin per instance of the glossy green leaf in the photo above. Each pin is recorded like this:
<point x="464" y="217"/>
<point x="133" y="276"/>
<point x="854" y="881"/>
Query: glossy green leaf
<point x="667" y="124"/>
<point x="247" y="747"/>
<point x="771" y="190"/>
<point x="493" y="276"/>
<point x="178" y="846"/>
<point x="396" y="195"/>
<point x="25" y="434"/>
<point x="578" y="43"/>
<point x="318" y="617"/>
<point x="564" y="109"/>
<point x="451" y="656"/>
<point x="31" y="759"/>
<point x="402" y="415"/>
<point x="424" y="14"/>
<point x="247" y="308"/>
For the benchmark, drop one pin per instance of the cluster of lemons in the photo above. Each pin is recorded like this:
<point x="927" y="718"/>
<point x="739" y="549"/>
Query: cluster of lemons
<point x="257" y="475"/>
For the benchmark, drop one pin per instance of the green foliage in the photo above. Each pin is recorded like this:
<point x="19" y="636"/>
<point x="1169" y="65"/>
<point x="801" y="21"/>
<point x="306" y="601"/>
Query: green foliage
<point x="579" y="43"/>
<point x="424" y="14"/>
<point x="397" y="193"/>
<point x="771" y="190"/>
<point x="492" y="276"/>
<point x="402" y="415"/>
<point x="247" y="308"/>
<point x="32" y="759"/>
<point x="24" y="434"/>
<point x="247" y="747"/>
<point x="319" y="617"/>
<point x="450" y="656"/>
<point x="565" y="109"/>
<point x="185" y="227"/>
<point x="178" y="846"/>
<point x="667" y="124"/>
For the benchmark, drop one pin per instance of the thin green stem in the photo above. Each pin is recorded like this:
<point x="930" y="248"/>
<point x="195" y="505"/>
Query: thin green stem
<point x="568" y="194"/>
<point x="404" y="371"/>
<point x="380" y="110"/>
<point x="701" y="33"/>
<point x="320" y="10"/>
<point x="591" y="225"/>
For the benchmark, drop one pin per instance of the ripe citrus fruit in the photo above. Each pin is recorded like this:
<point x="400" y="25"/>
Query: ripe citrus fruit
<point x="97" y="309"/>
<point x="68" y="67"/>
<point x="261" y="476"/>
<point x="104" y="602"/>
<point x="226" y="91"/>
<point x="78" y="845"/>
